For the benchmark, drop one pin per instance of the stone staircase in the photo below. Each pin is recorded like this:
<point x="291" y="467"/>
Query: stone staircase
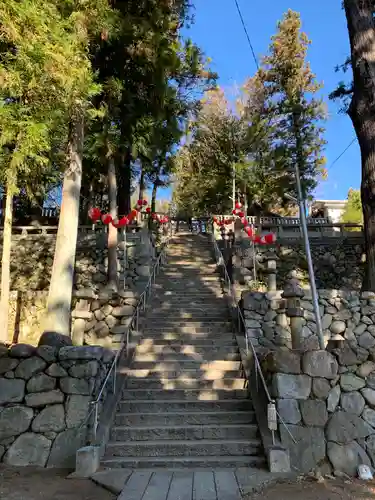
<point x="185" y="402"/>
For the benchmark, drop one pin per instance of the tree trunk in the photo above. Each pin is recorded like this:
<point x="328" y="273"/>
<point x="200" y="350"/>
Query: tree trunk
<point x="112" y="231"/>
<point x="142" y="184"/>
<point x="153" y="196"/>
<point x="359" y="15"/>
<point x="125" y="177"/>
<point x="5" y="267"/>
<point x="61" y="286"/>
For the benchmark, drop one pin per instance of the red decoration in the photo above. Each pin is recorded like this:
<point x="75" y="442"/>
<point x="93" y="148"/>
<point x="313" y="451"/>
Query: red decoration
<point x="234" y="212"/>
<point x="94" y="214"/>
<point x="268" y="239"/>
<point x="238" y="205"/>
<point x="124" y="221"/>
<point x="106" y="219"/>
<point x="148" y="210"/>
<point x="144" y="203"/>
<point x="241" y="214"/>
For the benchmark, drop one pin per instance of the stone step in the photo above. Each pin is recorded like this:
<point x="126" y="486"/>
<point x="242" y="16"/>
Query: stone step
<point x="155" y="349"/>
<point x="183" y="394"/>
<point x="204" y="325"/>
<point x="181" y="357"/>
<point x="186" y="364"/>
<point x="165" y="405"/>
<point x="187" y="462"/>
<point x="203" y="447"/>
<point x="173" y="338"/>
<point x="186" y="418"/>
<point x="184" y="432"/>
<point x="161" y="373"/>
<point x="196" y="294"/>
<point x="215" y="302"/>
<point x="224" y="343"/>
<point x="185" y="383"/>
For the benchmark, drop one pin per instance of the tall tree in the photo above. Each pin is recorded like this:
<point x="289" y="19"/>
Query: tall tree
<point x="361" y="27"/>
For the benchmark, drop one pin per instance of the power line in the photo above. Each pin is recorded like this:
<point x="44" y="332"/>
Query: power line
<point x="247" y="34"/>
<point x="343" y="152"/>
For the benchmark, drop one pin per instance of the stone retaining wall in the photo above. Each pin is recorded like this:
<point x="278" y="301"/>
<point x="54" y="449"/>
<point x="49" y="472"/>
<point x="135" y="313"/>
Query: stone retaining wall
<point x="45" y="396"/>
<point x="327" y="401"/>
<point x="337" y="264"/>
<point x="32" y="259"/>
<point x="348" y="313"/>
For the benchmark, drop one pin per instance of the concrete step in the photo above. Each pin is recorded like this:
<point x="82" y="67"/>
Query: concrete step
<point x="165" y="405"/>
<point x="187" y="462"/>
<point x="185" y="383"/>
<point x="185" y="418"/>
<point x="185" y="432"/>
<point x="183" y="394"/>
<point x="161" y="373"/>
<point x="203" y="447"/>
<point x="187" y="364"/>
<point x="182" y="357"/>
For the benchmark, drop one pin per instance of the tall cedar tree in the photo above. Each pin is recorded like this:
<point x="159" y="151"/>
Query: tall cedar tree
<point x="295" y="113"/>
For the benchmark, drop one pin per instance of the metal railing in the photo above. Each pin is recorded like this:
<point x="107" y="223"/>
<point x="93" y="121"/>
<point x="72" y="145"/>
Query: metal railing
<point x="110" y="378"/>
<point x="272" y="414"/>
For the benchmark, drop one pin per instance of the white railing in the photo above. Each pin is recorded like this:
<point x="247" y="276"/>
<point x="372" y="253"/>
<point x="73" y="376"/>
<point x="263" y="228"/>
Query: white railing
<point x="272" y="414"/>
<point x="110" y="378"/>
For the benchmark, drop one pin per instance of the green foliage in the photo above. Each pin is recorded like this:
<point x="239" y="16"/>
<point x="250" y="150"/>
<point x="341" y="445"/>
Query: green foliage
<point x="276" y="124"/>
<point x="353" y="211"/>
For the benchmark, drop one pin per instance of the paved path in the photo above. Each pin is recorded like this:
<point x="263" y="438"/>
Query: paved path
<point x="220" y="484"/>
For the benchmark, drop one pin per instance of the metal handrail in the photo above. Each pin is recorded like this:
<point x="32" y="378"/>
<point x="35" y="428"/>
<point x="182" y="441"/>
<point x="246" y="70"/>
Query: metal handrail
<point x="134" y="323"/>
<point x="248" y="343"/>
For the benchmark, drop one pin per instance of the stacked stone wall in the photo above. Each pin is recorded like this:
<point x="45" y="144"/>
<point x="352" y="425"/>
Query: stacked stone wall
<point x="45" y="396"/>
<point x="327" y="403"/>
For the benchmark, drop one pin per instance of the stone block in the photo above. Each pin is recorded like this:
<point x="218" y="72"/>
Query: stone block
<point x="314" y="412"/>
<point x="7" y="364"/>
<point x="14" y="420"/>
<point x="289" y="411"/>
<point x="366" y="369"/>
<point x="71" y="385"/>
<point x="333" y="398"/>
<point x="369" y="395"/>
<point x="319" y="364"/>
<point x="40" y="383"/>
<point x="39" y="399"/>
<point x="21" y="351"/>
<point x="77" y="408"/>
<point x="284" y="361"/>
<point x="29" y="367"/>
<point x="366" y="340"/>
<point x="50" y="419"/>
<point x="47" y="352"/>
<point x="346" y="458"/>
<point x="278" y="460"/>
<point x="87" y="461"/>
<point x="81" y="352"/>
<point x="352" y="402"/>
<point x="64" y="448"/>
<point x="344" y="427"/>
<point x="11" y="391"/>
<point x="309" y="449"/>
<point x="291" y="386"/>
<point x="368" y="416"/>
<point x="84" y="370"/>
<point x="350" y="382"/>
<point x="55" y="340"/>
<point x="56" y="370"/>
<point x="320" y="388"/>
<point x="28" y="449"/>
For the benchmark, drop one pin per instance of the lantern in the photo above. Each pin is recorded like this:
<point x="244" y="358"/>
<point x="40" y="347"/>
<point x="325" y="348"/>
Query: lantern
<point x="106" y="219"/>
<point x="94" y="214"/>
<point x="238" y="205"/>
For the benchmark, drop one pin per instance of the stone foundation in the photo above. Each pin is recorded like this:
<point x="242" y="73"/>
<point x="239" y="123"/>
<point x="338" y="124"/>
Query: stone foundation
<point x="45" y="396"/>
<point x="327" y="401"/>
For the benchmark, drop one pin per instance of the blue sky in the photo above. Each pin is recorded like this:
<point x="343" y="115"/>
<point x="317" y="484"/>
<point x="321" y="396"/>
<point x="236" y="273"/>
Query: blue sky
<point x="218" y="31"/>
